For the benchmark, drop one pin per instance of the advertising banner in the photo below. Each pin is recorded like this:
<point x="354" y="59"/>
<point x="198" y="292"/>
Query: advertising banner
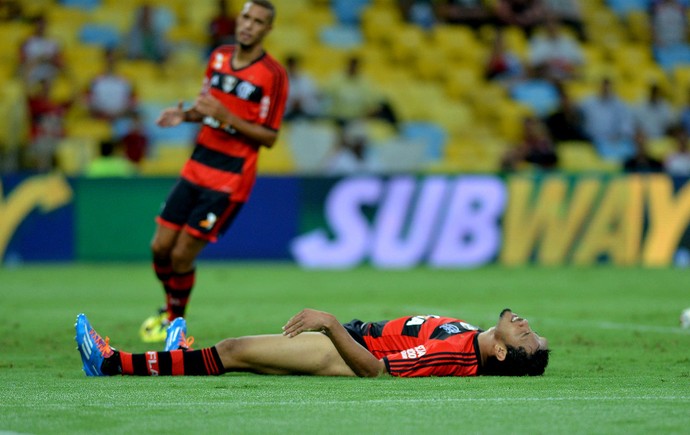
<point x="393" y="222"/>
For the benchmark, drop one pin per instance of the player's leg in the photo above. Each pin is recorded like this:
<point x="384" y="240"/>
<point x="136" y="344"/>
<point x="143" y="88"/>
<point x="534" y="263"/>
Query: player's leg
<point x="181" y="282"/>
<point x="310" y="353"/>
<point x="171" y="221"/>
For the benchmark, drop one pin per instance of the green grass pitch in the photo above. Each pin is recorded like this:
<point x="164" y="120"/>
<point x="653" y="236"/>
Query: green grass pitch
<point x="620" y="363"/>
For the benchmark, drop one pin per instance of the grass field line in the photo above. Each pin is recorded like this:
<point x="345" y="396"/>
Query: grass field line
<point x="300" y="402"/>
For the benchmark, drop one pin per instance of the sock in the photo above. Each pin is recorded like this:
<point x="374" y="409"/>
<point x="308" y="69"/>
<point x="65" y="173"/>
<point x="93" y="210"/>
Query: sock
<point x="203" y="362"/>
<point x="163" y="270"/>
<point x="178" y="289"/>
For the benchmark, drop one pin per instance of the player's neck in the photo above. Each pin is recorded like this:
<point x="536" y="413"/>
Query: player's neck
<point x="245" y="55"/>
<point x="487" y="344"/>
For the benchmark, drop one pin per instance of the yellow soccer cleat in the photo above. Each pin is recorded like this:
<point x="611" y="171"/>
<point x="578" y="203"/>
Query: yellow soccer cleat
<point x="154" y="328"/>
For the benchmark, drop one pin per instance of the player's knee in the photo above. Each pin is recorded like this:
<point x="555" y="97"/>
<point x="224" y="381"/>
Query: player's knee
<point x="181" y="260"/>
<point x="228" y="352"/>
<point x="159" y="249"/>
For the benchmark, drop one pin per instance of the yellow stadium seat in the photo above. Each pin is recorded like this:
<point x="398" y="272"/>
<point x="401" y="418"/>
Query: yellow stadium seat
<point x="431" y="64"/>
<point x="380" y="23"/>
<point x="575" y="156"/>
<point x="463" y="80"/>
<point x="88" y="128"/>
<point x="74" y="153"/>
<point x="166" y="159"/>
<point x="660" y="148"/>
<point x="459" y="43"/>
<point x="135" y="70"/>
<point x="408" y="42"/>
<point x="639" y="26"/>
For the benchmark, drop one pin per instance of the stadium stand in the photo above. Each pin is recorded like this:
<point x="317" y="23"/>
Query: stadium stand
<point x="433" y="78"/>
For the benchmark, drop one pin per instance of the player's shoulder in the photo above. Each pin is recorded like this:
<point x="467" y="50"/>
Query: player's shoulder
<point x="272" y="63"/>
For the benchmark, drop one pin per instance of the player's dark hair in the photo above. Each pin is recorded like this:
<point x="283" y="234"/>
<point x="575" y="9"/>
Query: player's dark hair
<point x="517" y="363"/>
<point x="266" y="5"/>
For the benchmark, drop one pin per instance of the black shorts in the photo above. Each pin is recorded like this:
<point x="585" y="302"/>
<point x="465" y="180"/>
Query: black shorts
<point x="203" y="213"/>
<point x="355" y="328"/>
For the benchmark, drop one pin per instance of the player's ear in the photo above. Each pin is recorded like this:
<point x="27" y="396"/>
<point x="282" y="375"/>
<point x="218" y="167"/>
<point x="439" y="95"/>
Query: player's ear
<point x="500" y="351"/>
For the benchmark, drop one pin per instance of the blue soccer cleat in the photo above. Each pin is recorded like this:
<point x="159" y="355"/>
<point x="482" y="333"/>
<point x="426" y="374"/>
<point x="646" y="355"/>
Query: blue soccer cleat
<point x="176" y="336"/>
<point x="93" y="349"/>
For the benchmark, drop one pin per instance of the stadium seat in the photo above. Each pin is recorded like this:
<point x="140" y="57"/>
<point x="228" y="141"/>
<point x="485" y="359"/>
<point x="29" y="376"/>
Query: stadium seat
<point x="87" y="5"/>
<point x="341" y="36"/>
<point x="348" y="11"/>
<point x="310" y="144"/>
<point x="380" y="23"/>
<point x="73" y="153"/>
<point x="432" y="135"/>
<point x="575" y="156"/>
<point x="540" y="95"/>
<point x="103" y="35"/>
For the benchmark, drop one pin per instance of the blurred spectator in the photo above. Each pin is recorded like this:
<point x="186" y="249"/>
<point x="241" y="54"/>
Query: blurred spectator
<point x="10" y="10"/>
<point x="527" y="14"/>
<point x="419" y="12"/>
<point x="351" y="97"/>
<point x="536" y="148"/>
<point x="135" y="142"/>
<point x="684" y="114"/>
<point x="569" y="13"/>
<point x="473" y="13"/>
<point x="655" y="116"/>
<point x="145" y="39"/>
<point x="47" y="126"/>
<point x="503" y="65"/>
<point x="669" y="22"/>
<point x="608" y="123"/>
<point x="351" y="153"/>
<point x="677" y="163"/>
<point x="641" y="161"/>
<point x="40" y="55"/>
<point x="111" y="96"/>
<point x="565" y="123"/>
<point x="554" y="55"/>
<point x="222" y="26"/>
<point x="110" y="162"/>
<point x="303" y="99"/>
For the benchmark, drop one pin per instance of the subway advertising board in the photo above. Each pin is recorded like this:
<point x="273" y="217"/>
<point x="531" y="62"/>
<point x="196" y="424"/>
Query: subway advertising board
<point x="444" y="221"/>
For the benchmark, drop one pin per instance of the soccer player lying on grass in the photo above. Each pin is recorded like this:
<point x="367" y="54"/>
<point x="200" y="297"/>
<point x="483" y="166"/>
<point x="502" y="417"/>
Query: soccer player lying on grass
<point x="315" y="343"/>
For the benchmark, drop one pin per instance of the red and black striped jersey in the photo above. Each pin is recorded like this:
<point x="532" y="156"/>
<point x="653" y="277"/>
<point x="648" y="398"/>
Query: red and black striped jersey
<point x="224" y="159"/>
<point x="424" y="346"/>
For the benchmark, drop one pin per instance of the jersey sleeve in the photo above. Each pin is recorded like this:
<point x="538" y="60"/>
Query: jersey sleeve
<point x="434" y="358"/>
<point x="274" y="103"/>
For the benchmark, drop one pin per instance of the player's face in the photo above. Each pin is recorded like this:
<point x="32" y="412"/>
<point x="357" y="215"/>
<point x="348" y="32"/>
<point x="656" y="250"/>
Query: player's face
<point x="515" y="331"/>
<point x="253" y="24"/>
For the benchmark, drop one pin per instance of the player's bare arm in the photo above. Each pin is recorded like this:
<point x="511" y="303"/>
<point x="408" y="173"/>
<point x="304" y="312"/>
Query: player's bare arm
<point x="174" y="116"/>
<point x="207" y="105"/>
<point x="360" y="360"/>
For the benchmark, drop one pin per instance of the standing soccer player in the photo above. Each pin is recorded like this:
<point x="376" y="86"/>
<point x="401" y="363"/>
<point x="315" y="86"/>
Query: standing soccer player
<point x="240" y="108"/>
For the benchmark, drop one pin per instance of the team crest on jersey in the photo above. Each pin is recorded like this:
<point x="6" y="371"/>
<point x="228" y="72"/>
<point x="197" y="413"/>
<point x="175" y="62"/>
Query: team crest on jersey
<point x="447" y="329"/>
<point x="209" y="222"/>
<point x="242" y="89"/>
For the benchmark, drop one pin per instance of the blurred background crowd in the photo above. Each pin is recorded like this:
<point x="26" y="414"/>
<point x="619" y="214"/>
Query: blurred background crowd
<point x="425" y="86"/>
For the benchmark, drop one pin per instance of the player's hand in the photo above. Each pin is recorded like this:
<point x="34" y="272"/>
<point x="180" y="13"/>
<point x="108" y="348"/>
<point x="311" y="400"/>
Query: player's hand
<point x="171" y="116"/>
<point x="207" y="105"/>
<point x="308" y="320"/>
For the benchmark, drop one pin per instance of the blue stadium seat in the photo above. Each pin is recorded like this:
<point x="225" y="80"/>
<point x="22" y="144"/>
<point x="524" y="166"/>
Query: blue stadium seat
<point x="81" y="4"/>
<point x="99" y="34"/>
<point x="540" y="95"/>
<point x="348" y="11"/>
<point x="341" y="36"/>
<point x="432" y="135"/>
